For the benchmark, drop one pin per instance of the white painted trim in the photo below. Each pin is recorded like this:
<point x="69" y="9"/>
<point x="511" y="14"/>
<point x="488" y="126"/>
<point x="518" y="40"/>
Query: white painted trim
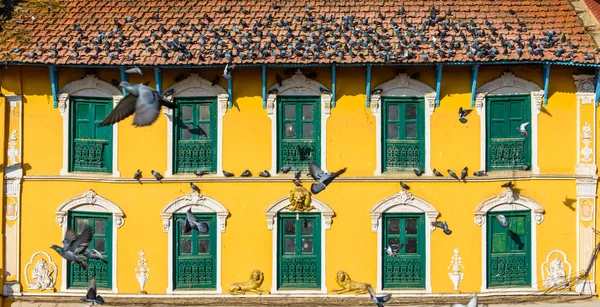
<point x="196" y="86"/>
<point x="90" y="202"/>
<point x="89" y="86"/>
<point x="403" y="202"/>
<point x="509" y="84"/>
<point x="509" y="200"/>
<point x="403" y="85"/>
<point x="298" y="85"/>
<point x="198" y="203"/>
<point x="272" y="218"/>
<point x="585" y="94"/>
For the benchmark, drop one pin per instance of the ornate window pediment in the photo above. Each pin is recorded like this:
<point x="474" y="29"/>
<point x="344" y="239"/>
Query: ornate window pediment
<point x="403" y="201"/>
<point x="89" y="201"/>
<point x="507" y="200"/>
<point x="199" y="203"/>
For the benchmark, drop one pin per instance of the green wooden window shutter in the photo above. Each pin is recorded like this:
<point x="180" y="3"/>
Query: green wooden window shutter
<point x="403" y="133"/>
<point x="406" y="270"/>
<point x="195" y="254"/>
<point x="509" y="250"/>
<point x="90" y="145"/>
<point x="507" y="149"/>
<point x="101" y="224"/>
<point x="299" y="132"/>
<point x="299" y="250"/>
<point x="195" y="135"/>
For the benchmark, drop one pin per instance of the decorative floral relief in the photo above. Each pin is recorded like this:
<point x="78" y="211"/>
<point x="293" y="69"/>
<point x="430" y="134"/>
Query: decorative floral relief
<point x="43" y="274"/>
<point x="456" y="263"/>
<point x="12" y="152"/>
<point x="586" y="210"/>
<point x="142" y="270"/>
<point x="586" y="139"/>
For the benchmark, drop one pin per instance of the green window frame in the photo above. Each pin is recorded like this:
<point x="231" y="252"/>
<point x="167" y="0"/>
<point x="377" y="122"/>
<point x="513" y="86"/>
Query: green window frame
<point x="299" y="251"/>
<point x="507" y="149"/>
<point x="406" y="269"/>
<point x="403" y="133"/>
<point x="195" y="254"/>
<point x="102" y="231"/>
<point x="195" y="134"/>
<point x="299" y="132"/>
<point x="509" y="250"/>
<point x="90" y="146"/>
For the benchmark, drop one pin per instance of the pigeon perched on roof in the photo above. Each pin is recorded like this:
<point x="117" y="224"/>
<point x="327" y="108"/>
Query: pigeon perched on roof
<point x="92" y="298"/>
<point x="74" y="246"/>
<point x="323" y="178"/>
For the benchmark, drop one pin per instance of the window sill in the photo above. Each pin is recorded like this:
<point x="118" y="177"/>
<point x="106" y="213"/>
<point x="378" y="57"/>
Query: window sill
<point x="510" y="291"/>
<point x="195" y="292"/>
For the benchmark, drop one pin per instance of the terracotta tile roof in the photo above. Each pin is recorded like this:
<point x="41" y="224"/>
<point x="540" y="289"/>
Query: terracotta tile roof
<point x="594" y="7"/>
<point x="340" y="31"/>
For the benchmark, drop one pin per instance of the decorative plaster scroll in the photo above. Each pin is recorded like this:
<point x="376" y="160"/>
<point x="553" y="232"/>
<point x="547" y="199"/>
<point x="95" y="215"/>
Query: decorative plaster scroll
<point x="141" y="271"/>
<point x="43" y="275"/>
<point x="554" y="273"/>
<point x="586" y="139"/>
<point x="456" y="275"/>
<point x="281" y="204"/>
<point x="12" y="208"/>
<point x="586" y="210"/>
<point x="403" y="201"/>
<point x="199" y="203"/>
<point x="585" y="84"/>
<point x="89" y="201"/>
<point x="506" y="200"/>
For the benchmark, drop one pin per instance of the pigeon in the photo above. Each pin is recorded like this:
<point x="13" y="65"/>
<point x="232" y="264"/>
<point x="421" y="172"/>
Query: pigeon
<point x="192" y="222"/>
<point x="227" y="174"/>
<point x="246" y="173"/>
<point x="264" y="174"/>
<point x="404" y="186"/>
<point x="135" y="70"/>
<point x="74" y="245"/>
<point x="215" y="81"/>
<point x="438" y="174"/>
<point x="522" y="129"/>
<point x="194" y="187"/>
<point x="378" y="300"/>
<point x="463" y="173"/>
<point x="199" y="173"/>
<point x="285" y="169"/>
<point x="297" y="174"/>
<point x="142" y="100"/>
<point x="393" y="249"/>
<point x="480" y="173"/>
<point x="91" y="297"/>
<point x="502" y="219"/>
<point x="227" y="71"/>
<point x="418" y="172"/>
<point x="525" y="167"/>
<point x="452" y="174"/>
<point x="91" y="253"/>
<point x="472" y="303"/>
<point x="297" y="182"/>
<point x="442" y="225"/>
<point x="157" y="175"/>
<point x="508" y="184"/>
<point x="137" y="175"/>
<point x="323" y="178"/>
<point x="462" y="114"/>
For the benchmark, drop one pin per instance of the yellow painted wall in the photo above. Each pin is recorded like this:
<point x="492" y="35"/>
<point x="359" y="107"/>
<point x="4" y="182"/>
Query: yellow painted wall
<point x="351" y="245"/>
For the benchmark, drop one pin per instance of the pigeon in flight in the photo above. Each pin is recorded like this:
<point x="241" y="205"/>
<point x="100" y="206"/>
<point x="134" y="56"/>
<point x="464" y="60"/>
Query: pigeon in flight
<point x="502" y="219"/>
<point x="442" y="225"/>
<point x="194" y="187"/>
<point x="91" y="297"/>
<point x="91" y="253"/>
<point x="135" y="70"/>
<point x="227" y="71"/>
<point x="472" y="303"/>
<point x="522" y="129"/>
<point x="393" y="249"/>
<point x="142" y="100"/>
<point x="192" y="222"/>
<point x="323" y="178"/>
<point x="378" y="300"/>
<point x="462" y="114"/>
<point x="74" y="245"/>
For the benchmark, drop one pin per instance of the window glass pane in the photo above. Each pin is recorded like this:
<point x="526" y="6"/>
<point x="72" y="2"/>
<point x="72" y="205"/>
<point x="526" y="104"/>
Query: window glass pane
<point x="289" y="111"/>
<point x="99" y="245"/>
<point x="307" y="228"/>
<point x="393" y="241"/>
<point x="290" y="130"/>
<point x="99" y="227"/>
<point x="392" y="131"/>
<point x="203" y="246"/>
<point x="307" y="130"/>
<point x="499" y="243"/>
<point x="204" y="131"/>
<point x="411" y="111"/>
<point x="394" y="226"/>
<point x="307" y="245"/>
<point x="411" y="226"/>
<point x="204" y="110"/>
<point x="81" y="224"/>
<point x="186" y="246"/>
<point x="411" y="246"/>
<point x="392" y="112"/>
<point x="290" y="245"/>
<point x="411" y="130"/>
<point x="290" y="228"/>
<point x="307" y="112"/>
<point x="186" y="132"/>
<point x="186" y="113"/>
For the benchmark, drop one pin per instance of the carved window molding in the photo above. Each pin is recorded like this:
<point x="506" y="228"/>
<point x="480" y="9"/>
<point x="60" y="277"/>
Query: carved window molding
<point x="403" y="85"/>
<point x="90" y="202"/>
<point x="298" y="85"/>
<point x="404" y="202"/>
<point x="586" y="135"/>
<point x="509" y="84"/>
<point x="198" y="203"/>
<point x="89" y="86"/>
<point x="196" y="86"/>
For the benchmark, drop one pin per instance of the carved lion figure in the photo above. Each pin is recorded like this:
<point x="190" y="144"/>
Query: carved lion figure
<point x="299" y="200"/>
<point x="252" y="285"/>
<point x="348" y="285"/>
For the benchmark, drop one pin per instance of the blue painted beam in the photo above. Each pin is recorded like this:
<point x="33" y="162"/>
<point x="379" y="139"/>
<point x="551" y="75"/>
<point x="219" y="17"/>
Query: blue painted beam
<point x="264" y="86"/>
<point x="368" y="86"/>
<point x="333" y="86"/>
<point x="230" y="99"/>
<point x="158" y="79"/>
<point x="546" y="79"/>
<point x="54" y="83"/>
<point x="474" y="74"/>
<point x="597" y="85"/>
<point x="438" y="84"/>
<point x="124" y="77"/>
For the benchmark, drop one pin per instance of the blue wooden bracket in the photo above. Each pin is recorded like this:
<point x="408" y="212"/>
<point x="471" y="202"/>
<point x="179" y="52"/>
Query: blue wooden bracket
<point x="264" y="86"/>
<point x="158" y="79"/>
<point x="229" y="96"/>
<point x="438" y="84"/>
<point x="546" y="78"/>
<point x="124" y="77"/>
<point x="54" y="83"/>
<point x="368" y="86"/>
<point x="597" y="85"/>
<point x="333" y="86"/>
<point x="474" y="73"/>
